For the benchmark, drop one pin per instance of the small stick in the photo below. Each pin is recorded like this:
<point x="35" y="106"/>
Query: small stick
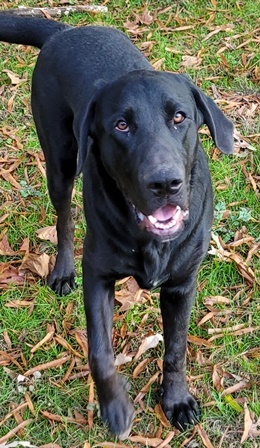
<point x="55" y="12"/>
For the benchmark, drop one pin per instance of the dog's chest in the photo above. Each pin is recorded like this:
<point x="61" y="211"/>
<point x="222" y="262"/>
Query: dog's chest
<point x="154" y="266"/>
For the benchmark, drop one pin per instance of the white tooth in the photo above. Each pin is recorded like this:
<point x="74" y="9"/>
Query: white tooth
<point x="178" y="208"/>
<point x="152" y="219"/>
<point x="177" y="214"/>
<point x="140" y="216"/>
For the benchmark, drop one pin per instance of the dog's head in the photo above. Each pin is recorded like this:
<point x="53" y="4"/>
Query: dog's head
<point x="145" y="126"/>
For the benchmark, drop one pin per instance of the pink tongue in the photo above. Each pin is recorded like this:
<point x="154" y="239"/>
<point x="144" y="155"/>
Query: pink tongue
<point x="164" y="213"/>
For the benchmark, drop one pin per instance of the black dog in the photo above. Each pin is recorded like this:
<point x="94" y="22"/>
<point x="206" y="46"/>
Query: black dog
<point x="100" y="107"/>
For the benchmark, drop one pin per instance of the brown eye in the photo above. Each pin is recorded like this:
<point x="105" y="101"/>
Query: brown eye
<point x="122" y="126"/>
<point x="178" y="117"/>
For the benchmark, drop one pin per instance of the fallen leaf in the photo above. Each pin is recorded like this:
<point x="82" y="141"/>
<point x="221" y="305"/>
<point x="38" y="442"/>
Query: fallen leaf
<point x="37" y="264"/>
<point x="15" y="79"/>
<point x="161" y="416"/>
<point x="247" y="424"/>
<point x="122" y="359"/>
<point x="59" y="418"/>
<point x="141" y="366"/>
<point x="147" y="441"/>
<point x="15" y="430"/>
<point x="48" y="365"/>
<point x="48" y="233"/>
<point x="190" y="61"/>
<point x="5" y="248"/>
<point x="204" y="437"/>
<point x="148" y="343"/>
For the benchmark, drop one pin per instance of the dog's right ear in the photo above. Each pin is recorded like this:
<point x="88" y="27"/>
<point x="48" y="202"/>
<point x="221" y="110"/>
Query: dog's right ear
<point x="83" y="126"/>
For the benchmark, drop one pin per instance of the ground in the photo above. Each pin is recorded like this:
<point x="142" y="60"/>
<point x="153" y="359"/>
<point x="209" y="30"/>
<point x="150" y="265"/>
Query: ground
<point x="47" y="393"/>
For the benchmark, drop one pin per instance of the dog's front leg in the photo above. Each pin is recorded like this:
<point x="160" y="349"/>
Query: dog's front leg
<point x="116" y="409"/>
<point x="178" y="404"/>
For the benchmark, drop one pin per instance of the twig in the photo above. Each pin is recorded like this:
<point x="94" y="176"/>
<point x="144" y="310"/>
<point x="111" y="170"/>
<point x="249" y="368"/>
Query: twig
<point x="55" y="12"/>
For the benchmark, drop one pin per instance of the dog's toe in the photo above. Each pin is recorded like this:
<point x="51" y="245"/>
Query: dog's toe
<point x="62" y="286"/>
<point x="182" y="412"/>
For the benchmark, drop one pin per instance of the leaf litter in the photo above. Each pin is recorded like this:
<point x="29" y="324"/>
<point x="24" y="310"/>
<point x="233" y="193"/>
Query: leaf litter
<point x="25" y="265"/>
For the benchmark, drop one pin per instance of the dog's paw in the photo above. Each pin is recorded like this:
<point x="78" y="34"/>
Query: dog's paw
<point x="181" y="409"/>
<point x="116" y="410"/>
<point x="61" y="283"/>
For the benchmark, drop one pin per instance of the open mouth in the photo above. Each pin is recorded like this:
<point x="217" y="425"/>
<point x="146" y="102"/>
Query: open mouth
<point x="164" y="222"/>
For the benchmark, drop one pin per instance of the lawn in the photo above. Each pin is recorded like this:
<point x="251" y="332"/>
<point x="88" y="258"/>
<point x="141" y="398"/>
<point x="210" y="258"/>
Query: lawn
<point x="47" y="393"/>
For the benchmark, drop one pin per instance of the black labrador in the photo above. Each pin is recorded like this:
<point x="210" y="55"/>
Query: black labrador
<point x="101" y="108"/>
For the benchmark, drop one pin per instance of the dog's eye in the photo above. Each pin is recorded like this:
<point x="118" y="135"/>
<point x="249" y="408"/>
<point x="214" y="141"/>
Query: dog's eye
<point x="122" y="126"/>
<point x="178" y="117"/>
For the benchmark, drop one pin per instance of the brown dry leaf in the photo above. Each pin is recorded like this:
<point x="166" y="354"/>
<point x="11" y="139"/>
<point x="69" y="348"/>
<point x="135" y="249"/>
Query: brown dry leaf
<point x="190" y="61"/>
<point x="161" y="416"/>
<point x="48" y="365"/>
<point x="236" y="387"/>
<point x="141" y="366"/>
<point x="147" y="441"/>
<point x="5" y="248"/>
<point x="9" y="178"/>
<point x="10" y="275"/>
<point x="60" y="340"/>
<point x="81" y="339"/>
<point x="36" y="263"/>
<point x="15" y="79"/>
<point x="216" y="300"/>
<point x="217" y="380"/>
<point x="148" y="343"/>
<point x="204" y="437"/>
<point x="167" y="440"/>
<point x="199" y="341"/>
<point x="68" y="318"/>
<point x="247" y="424"/>
<point x="146" y="387"/>
<point x="59" y="418"/>
<point x="15" y="430"/>
<point x="129" y="293"/>
<point x="48" y="233"/>
<point x="110" y="445"/>
<point x="217" y="29"/>
<point x="11" y="413"/>
<point x="207" y="317"/>
<point x="146" y="18"/>
<point x="19" y="303"/>
<point x="90" y="404"/>
<point x="47" y="338"/>
<point x="50" y="445"/>
<point x="255" y="429"/>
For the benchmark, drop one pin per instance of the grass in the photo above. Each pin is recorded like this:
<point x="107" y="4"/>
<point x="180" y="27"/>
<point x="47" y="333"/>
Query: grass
<point x="233" y="72"/>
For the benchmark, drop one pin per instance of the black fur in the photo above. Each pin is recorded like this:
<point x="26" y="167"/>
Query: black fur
<point x="85" y="80"/>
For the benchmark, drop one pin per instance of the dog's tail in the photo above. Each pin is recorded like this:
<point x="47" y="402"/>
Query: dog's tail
<point x="28" y="30"/>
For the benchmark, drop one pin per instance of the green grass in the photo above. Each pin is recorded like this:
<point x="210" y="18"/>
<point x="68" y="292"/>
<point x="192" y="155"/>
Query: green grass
<point x="26" y="327"/>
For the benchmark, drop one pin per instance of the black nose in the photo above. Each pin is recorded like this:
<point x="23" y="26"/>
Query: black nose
<point x="164" y="187"/>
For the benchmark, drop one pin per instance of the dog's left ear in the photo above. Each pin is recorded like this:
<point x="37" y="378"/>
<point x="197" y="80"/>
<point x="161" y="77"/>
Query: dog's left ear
<point x="221" y="128"/>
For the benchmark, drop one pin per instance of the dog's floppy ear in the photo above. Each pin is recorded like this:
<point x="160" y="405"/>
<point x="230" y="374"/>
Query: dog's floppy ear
<point x="221" y="128"/>
<point x="83" y="126"/>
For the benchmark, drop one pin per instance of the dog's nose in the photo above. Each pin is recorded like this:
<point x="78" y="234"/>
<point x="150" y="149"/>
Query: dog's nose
<point x="164" y="187"/>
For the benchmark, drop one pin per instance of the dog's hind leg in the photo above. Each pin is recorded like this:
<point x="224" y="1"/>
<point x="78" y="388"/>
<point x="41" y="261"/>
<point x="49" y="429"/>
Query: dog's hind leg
<point x="54" y="127"/>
